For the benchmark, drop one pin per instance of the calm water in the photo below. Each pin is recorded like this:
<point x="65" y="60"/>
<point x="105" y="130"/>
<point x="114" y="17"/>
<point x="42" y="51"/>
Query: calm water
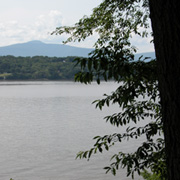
<point x="44" y="124"/>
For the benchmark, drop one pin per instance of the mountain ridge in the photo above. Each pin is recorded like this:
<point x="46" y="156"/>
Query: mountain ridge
<point x="39" y="48"/>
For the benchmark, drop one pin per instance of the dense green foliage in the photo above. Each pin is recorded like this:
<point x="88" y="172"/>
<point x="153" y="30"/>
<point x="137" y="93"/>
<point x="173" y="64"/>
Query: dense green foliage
<point x="149" y="176"/>
<point x="37" y="68"/>
<point x="137" y="95"/>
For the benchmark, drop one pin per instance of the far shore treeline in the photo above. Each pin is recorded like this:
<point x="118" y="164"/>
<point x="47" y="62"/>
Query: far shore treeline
<point x="37" y="68"/>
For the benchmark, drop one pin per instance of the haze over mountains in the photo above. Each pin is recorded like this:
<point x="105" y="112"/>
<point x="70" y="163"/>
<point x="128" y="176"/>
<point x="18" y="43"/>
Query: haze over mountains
<point x="38" y="48"/>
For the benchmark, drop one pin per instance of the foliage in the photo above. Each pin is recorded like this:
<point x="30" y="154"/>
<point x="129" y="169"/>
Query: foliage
<point x="149" y="176"/>
<point x="115" y="21"/>
<point x="36" y="68"/>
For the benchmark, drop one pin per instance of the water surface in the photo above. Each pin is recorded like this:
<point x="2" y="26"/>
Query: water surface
<point x="44" y="124"/>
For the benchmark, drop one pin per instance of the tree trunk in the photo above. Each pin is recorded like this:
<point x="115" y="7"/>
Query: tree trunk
<point x="165" y="18"/>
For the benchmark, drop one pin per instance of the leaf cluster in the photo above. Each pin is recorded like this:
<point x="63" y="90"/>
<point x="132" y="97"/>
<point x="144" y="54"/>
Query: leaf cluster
<point x="151" y="153"/>
<point x="115" y="21"/>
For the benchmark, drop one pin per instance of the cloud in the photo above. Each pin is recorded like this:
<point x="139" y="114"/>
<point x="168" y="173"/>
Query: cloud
<point x="40" y="29"/>
<point x="49" y="21"/>
<point x="15" y="32"/>
<point x="142" y="44"/>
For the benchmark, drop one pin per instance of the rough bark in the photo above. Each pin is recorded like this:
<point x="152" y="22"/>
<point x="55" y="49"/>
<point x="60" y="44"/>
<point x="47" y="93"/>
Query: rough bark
<point x="165" y="18"/>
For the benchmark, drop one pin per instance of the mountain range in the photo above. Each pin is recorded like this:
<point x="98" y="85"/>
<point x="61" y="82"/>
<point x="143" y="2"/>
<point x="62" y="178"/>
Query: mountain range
<point x="38" y="48"/>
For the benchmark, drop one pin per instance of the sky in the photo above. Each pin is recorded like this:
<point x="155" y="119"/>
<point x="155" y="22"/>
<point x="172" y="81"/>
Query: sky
<point x="26" y="20"/>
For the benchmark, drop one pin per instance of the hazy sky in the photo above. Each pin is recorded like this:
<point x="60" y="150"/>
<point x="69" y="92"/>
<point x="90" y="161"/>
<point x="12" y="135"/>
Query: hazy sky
<point x="26" y="20"/>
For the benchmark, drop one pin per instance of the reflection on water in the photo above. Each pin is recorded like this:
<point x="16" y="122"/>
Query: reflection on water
<point x="44" y="124"/>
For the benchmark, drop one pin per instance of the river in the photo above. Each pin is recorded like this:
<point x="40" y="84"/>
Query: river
<point x="43" y="125"/>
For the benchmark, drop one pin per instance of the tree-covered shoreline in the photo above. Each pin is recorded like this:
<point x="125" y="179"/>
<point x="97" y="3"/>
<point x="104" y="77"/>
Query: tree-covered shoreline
<point x="37" y="68"/>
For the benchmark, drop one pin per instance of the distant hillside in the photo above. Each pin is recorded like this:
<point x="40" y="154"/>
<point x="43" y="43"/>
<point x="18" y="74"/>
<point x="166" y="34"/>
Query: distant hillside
<point x="146" y="54"/>
<point x="38" y="48"/>
<point x="37" y="68"/>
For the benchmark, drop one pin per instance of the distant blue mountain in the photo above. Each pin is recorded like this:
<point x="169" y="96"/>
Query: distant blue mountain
<point x="38" y="48"/>
<point x="146" y="54"/>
